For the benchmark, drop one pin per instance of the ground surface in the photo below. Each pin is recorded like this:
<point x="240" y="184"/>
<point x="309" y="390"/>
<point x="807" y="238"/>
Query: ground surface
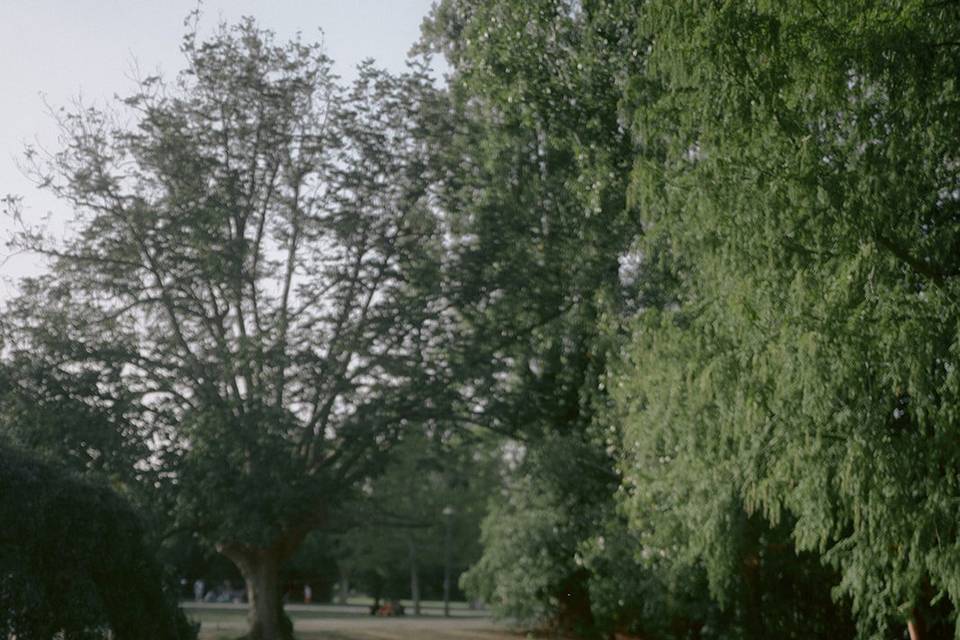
<point x="353" y="622"/>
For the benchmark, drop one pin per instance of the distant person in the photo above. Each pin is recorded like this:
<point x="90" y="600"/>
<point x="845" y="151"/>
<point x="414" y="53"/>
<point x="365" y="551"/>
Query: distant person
<point x="307" y="594"/>
<point x="198" y="590"/>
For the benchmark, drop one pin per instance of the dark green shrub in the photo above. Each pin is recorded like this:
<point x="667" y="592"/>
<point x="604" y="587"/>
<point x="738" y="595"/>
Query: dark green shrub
<point x="73" y="560"/>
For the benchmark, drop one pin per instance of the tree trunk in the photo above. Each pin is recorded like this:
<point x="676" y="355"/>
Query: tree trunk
<point x="753" y="601"/>
<point x="414" y="577"/>
<point x="344" y="589"/>
<point x="265" y="614"/>
<point x="915" y="625"/>
<point x="260" y="569"/>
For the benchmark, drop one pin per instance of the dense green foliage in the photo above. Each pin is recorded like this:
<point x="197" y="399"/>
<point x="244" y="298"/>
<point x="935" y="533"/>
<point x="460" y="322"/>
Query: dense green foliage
<point x="694" y="263"/>
<point x="535" y="196"/>
<point x="790" y="384"/>
<point x="427" y="503"/>
<point x="247" y="267"/>
<point x="73" y="560"/>
<point x="804" y="173"/>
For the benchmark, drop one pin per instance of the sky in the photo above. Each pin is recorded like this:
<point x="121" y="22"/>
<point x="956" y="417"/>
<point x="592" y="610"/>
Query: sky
<point x="54" y="51"/>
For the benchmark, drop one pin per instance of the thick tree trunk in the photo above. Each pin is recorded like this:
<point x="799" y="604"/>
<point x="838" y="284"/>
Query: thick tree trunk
<point x="260" y="569"/>
<point x="414" y="577"/>
<point x="265" y="615"/>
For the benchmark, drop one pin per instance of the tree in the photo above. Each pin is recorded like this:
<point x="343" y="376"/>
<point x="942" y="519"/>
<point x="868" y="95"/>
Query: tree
<point x="73" y="562"/>
<point x="801" y="169"/>
<point x="396" y="542"/>
<point x="81" y="418"/>
<point x="580" y="94"/>
<point x="248" y="264"/>
<point x="535" y="194"/>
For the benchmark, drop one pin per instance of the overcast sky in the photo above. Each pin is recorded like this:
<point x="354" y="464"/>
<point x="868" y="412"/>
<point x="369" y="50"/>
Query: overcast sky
<point x="52" y="51"/>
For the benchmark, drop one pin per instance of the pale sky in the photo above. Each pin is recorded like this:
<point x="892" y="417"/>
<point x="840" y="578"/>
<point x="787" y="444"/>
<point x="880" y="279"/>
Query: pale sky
<point x="52" y="51"/>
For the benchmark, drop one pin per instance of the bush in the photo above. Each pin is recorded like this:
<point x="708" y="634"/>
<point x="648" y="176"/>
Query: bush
<point x="73" y="560"/>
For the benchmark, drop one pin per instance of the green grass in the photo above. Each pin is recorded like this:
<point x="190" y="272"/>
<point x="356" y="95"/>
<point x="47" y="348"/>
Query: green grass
<point x="431" y="604"/>
<point x="353" y="622"/>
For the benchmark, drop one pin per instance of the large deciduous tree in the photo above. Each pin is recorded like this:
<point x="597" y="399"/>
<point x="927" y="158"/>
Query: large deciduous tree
<point x="535" y="192"/>
<point x="244" y="262"/>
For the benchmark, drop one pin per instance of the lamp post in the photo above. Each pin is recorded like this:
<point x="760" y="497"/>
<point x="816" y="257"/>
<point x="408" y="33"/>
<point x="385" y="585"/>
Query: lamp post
<point x="447" y="543"/>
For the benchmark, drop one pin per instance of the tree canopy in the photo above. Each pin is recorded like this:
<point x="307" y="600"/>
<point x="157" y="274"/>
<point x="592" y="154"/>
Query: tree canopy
<point x="802" y="171"/>
<point x="247" y="266"/>
<point x="696" y="264"/>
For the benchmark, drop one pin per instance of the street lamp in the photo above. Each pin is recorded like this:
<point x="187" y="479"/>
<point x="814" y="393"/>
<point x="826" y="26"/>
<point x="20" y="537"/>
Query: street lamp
<point x="448" y="516"/>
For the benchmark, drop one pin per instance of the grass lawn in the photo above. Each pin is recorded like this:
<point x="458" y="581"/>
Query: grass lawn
<point x="353" y="622"/>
